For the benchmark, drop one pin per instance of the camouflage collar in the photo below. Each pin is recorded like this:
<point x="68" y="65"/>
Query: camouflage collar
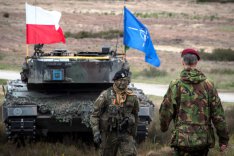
<point x="192" y="76"/>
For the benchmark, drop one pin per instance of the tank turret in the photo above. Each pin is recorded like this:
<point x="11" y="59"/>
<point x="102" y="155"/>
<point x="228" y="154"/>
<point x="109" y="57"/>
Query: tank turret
<point x="57" y="91"/>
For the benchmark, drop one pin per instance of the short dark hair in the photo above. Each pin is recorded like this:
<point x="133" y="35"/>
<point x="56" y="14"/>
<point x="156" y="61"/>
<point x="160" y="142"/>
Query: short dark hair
<point x="190" y="59"/>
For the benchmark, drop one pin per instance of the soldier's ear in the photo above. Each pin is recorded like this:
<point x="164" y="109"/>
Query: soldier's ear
<point x="182" y="61"/>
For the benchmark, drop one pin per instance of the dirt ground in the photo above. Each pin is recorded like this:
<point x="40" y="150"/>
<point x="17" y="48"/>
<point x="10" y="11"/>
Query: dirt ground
<point x="178" y="24"/>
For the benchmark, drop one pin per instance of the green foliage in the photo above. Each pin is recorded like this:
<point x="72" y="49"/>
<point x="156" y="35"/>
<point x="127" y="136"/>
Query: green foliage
<point x="8" y="66"/>
<point x="227" y="28"/>
<point x="153" y="72"/>
<point x="110" y="34"/>
<point x="231" y="84"/>
<point x="218" y="55"/>
<point x="3" y="82"/>
<point x="222" y="81"/>
<point x="1" y="56"/>
<point x="176" y="15"/>
<point x="155" y="15"/>
<point x="212" y="17"/>
<point x="222" y="71"/>
<point x="150" y="73"/>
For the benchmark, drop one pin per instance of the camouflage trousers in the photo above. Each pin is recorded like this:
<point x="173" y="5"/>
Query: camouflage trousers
<point x="179" y="152"/>
<point x="112" y="142"/>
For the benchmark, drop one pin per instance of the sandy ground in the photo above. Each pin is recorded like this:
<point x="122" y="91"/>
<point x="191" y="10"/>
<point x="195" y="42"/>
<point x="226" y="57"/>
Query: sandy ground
<point x="178" y="24"/>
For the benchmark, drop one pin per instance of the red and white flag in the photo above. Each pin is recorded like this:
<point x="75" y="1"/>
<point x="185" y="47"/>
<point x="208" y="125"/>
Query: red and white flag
<point x="42" y="26"/>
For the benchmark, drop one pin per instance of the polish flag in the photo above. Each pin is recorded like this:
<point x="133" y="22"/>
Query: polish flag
<point x="42" y="26"/>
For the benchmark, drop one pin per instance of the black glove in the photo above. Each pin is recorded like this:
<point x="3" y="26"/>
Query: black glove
<point x="97" y="138"/>
<point x="123" y="126"/>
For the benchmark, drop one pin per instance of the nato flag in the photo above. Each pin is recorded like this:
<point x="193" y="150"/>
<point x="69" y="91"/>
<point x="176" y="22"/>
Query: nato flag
<point x="137" y="36"/>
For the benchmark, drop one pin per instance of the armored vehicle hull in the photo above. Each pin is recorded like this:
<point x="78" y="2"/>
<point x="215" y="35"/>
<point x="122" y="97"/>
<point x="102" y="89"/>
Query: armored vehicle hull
<point x="57" y="91"/>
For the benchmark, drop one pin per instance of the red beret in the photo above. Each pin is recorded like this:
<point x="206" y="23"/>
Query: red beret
<point x="190" y="51"/>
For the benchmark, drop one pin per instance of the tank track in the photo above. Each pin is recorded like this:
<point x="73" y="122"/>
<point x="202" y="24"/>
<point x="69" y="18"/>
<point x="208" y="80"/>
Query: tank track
<point x="19" y="129"/>
<point x="142" y="131"/>
<point x="146" y="115"/>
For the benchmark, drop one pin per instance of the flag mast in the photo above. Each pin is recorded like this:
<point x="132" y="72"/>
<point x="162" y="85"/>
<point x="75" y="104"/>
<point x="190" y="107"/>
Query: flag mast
<point x="117" y="42"/>
<point x="27" y="45"/>
<point x="27" y="50"/>
<point x="124" y="51"/>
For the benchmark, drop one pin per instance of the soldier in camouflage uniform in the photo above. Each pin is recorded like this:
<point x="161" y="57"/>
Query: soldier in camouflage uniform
<point x="195" y="107"/>
<point x="115" y="116"/>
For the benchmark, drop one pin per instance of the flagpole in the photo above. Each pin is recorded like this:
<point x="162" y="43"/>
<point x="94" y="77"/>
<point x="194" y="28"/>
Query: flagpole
<point x="27" y="50"/>
<point x="124" y="51"/>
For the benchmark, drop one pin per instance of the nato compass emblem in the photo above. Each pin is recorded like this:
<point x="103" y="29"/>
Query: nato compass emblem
<point x="143" y="34"/>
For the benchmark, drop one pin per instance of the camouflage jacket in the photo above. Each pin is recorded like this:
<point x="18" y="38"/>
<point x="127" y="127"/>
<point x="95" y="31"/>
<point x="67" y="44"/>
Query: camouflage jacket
<point x="193" y="103"/>
<point x="101" y="117"/>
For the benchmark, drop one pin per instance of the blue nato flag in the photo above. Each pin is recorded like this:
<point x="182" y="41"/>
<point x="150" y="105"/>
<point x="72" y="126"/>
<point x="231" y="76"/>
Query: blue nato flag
<point x="137" y="36"/>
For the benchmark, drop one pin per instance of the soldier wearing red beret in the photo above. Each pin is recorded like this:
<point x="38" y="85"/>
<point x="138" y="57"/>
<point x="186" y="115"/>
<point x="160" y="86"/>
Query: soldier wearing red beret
<point x="193" y="103"/>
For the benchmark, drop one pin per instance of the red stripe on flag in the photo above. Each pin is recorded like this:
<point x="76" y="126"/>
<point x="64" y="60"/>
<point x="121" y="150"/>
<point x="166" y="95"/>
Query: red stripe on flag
<point x="43" y="34"/>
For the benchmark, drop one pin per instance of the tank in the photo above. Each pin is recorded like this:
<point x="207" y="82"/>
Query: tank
<point x="57" y="91"/>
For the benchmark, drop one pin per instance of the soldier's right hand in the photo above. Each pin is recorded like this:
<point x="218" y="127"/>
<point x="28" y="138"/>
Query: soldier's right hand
<point x="223" y="147"/>
<point x="97" y="138"/>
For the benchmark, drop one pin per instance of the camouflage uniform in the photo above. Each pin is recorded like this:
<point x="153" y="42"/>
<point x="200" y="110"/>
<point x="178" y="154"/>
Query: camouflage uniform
<point x="193" y="103"/>
<point x="107" y="118"/>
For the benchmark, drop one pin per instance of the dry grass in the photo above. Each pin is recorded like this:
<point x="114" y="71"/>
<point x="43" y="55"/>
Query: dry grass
<point x="47" y="149"/>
